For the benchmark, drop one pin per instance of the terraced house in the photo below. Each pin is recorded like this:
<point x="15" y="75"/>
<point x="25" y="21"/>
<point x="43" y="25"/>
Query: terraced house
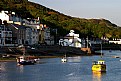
<point x="25" y="31"/>
<point x="5" y="36"/>
<point x="21" y="34"/>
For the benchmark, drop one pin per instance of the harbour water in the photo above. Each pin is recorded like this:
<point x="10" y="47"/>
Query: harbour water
<point x="52" y="69"/>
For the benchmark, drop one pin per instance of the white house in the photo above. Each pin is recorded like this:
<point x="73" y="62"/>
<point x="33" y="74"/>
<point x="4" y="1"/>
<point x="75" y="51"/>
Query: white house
<point x="31" y="22"/>
<point x="118" y="41"/>
<point x="71" y="39"/>
<point x="4" y="16"/>
<point x="10" y="17"/>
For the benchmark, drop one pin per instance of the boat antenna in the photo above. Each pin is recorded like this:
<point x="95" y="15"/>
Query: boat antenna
<point x="65" y="55"/>
<point x="101" y="49"/>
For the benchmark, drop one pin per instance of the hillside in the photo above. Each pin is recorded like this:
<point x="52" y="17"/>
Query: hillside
<point x="54" y="19"/>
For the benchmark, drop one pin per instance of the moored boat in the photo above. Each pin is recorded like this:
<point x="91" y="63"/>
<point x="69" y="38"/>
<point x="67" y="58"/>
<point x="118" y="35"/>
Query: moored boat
<point x="99" y="66"/>
<point x="64" y="59"/>
<point x="22" y="60"/>
<point x="25" y="60"/>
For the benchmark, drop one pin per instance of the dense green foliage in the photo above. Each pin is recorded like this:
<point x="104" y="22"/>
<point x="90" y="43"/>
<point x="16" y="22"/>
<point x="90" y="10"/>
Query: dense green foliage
<point x="85" y="27"/>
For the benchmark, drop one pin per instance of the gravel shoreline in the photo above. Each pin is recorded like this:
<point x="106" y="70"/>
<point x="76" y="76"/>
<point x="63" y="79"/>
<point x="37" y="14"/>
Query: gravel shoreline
<point x="7" y="60"/>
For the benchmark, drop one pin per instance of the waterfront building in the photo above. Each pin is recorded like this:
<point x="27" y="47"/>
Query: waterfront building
<point x="26" y="35"/>
<point x="32" y="36"/>
<point x="5" y="36"/>
<point x="27" y="31"/>
<point x="31" y="22"/>
<point x="95" y="41"/>
<point x="45" y="35"/>
<point x="21" y="33"/>
<point x="117" y="41"/>
<point x="71" y="39"/>
<point x="4" y="16"/>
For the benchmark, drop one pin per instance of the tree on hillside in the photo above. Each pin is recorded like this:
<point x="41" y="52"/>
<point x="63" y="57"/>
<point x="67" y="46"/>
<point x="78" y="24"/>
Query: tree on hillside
<point x="86" y="27"/>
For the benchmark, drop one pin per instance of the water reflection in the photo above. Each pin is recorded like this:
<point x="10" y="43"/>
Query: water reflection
<point x="76" y="69"/>
<point x="97" y="76"/>
<point x="74" y="59"/>
<point x="21" y="69"/>
<point x="2" y="66"/>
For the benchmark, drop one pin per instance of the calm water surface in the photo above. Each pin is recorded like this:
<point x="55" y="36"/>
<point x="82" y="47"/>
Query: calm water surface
<point x="51" y="69"/>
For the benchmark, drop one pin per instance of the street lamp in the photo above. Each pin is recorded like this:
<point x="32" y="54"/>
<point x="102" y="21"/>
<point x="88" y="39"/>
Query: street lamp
<point x="55" y="36"/>
<point x="3" y="41"/>
<point x="5" y="23"/>
<point x="4" y="36"/>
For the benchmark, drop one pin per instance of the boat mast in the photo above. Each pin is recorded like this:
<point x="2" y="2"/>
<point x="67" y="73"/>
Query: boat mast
<point x="4" y="35"/>
<point x="87" y="41"/>
<point x="101" y="49"/>
<point x="65" y="56"/>
<point x="24" y="50"/>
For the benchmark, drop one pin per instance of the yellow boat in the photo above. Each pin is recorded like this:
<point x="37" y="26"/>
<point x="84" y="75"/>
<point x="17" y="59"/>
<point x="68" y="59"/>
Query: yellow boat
<point x="99" y="66"/>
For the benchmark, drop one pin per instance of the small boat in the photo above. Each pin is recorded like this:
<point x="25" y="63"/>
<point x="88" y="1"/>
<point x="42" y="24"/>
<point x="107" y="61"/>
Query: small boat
<point x="64" y="59"/>
<point x="37" y="60"/>
<point x="120" y="59"/>
<point x="110" y="51"/>
<point x="22" y="60"/>
<point x="116" y="56"/>
<point x="99" y="66"/>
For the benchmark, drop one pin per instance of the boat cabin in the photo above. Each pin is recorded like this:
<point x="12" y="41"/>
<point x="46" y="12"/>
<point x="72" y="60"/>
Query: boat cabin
<point x="20" y="59"/>
<point x="99" y="62"/>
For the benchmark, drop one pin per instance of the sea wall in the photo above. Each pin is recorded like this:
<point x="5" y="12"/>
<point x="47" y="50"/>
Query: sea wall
<point x="106" y="47"/>
<point x="44" y="51"/>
